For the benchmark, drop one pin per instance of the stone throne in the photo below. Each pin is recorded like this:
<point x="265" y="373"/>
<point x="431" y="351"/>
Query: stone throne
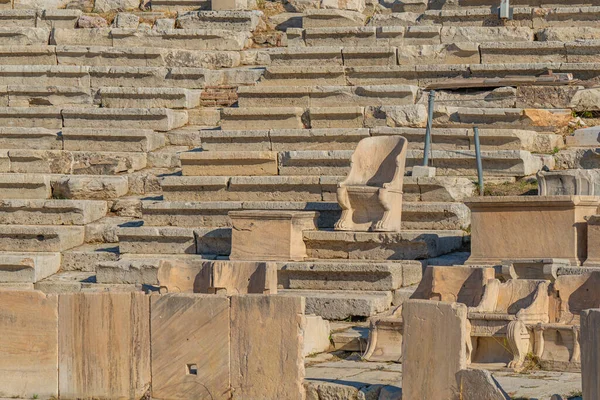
<point x="371" y="194"/>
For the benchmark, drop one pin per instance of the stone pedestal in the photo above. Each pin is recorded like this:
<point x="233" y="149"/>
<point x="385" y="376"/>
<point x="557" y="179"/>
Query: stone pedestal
<point x="590" y="353"/>
<point x="270" y="235"/>
<point x="526" y="227"/>
<point x="593" y="237"/>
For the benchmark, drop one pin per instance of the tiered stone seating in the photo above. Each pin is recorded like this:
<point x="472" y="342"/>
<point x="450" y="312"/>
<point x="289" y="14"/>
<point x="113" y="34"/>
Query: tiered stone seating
<point x="138" y="115"/>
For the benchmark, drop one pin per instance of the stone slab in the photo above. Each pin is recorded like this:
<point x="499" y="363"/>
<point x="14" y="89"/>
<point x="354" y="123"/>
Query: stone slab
<point x="186" y="364"/>
<point x="434" y="349"/>
<point x="29" y="328"/>
<point x="28" y="267"/>
<point x="104" y="345"/>
<point x="267" y="369"/>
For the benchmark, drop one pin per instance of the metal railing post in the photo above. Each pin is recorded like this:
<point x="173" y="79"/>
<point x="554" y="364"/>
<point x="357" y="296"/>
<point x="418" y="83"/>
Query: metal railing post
<point x="428" y="129"/>
<point x="479" y="163"/>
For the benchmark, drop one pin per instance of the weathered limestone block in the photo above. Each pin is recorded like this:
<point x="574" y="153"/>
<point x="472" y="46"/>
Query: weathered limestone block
<point x="352" y="5"/>
<point x="587" y="137"/>
<point x="102" y="6"/>
<point x="434" y="349"/>
<point x="158" y="119"/>
<point x="502" y="228"/>
<point x="29" y="328"/>
<point x="191" y="39"/>
<point x="90" y="187"/>
<point x="414" y="116"/>
<point x="593" y="241"/>
<point x="267" y="369"/>
<point x="579" y="182"/>
<point x="122" y="140"/>
<point x="59" y="18"/>
<point x="88" y="21"/>
<point x="228" y="163"/>
<point x="184" y="363"/>
<point x="221" y="5"/>
<point x="127" y="20"/>
<point x="459" y="284"/>
<point x="250" y="118"/>
<point x="590" y="353"/>
<point x="453" y="53"/>
<point x="228" y="20"/>
<point x="28" y="267"/>
<point x="252" y="234"/>
<point x="23" y="36"/>
<point x="221" y="277"/>
<point x="371" y="194"/>
<point x="156" y="240"/>
<point x="46" y="238"/>
<point x="81" y="37"/>
<point x="140" y="97"/>
<point x="479" y="384"/>
<point x="316" y="335"/>
<point x="328" y="18"/>
<point x="479" y="34"/>
<point x="104" y="345"/>
<point x="28" y="96"/>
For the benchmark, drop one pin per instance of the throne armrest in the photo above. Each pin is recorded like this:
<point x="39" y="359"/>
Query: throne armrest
<point x="489" y="300"/>
<point x="537" y="311"/>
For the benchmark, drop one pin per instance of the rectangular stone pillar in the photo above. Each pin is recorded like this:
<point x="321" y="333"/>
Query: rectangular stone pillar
<point x="526" y="227"/>
<point x="434" y="349"/>
<point x="190" y="346"/>
<point x="28" y="344"/>
<point x="267" y="359"/>
<point x="270" y="235"/>
<point x="104" y="345"/>
<point x="590" y="353"/>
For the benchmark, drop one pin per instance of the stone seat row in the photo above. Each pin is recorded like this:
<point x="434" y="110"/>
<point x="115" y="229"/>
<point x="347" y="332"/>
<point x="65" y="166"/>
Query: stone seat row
<point x="346" y="139"/>
<point x="337" y="162"/>
<point x="533" y="17"/>
<point x="401" y="36"/>
<point x="459" y="54"/>
<point x="420" y="75"/>
<point x="115" y="76"/>
<point x="106" y="97"/>
<point x="445" y="116"/>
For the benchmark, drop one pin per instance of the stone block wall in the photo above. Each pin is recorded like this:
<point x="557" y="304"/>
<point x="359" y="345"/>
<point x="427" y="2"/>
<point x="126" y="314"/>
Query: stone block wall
<point x="131" y="345"/>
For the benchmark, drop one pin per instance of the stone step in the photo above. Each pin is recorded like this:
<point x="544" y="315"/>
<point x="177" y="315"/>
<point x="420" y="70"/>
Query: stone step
<point x="326" y="96"/>
<point x="464" y="139"/>
<point x="190" y="39"/>
<point x="174" y="240"/>
<point x="332" y="18"/>
<point x="451" y="5"/>
<point x="38" y="75"/>
<point x="23" y="36"/>
<point x="274" y="118"/>
<point x="120" y="140"/>
<point x="415" y="215"/>
<point x="27" y="267"/>
<point x="273" y="140"/>
<point x="523" y="16"/>
<point x="231" y="20"/>
<point x="51" y="212"/>
<point x="75" y="281"/>
<point x="109" y="56"/>
<point x="87" y="187"/>
<point x="354" y="275"/>
<point x="405" y="245"/>
<point x="33" y="54"/>
<point x="301" y="188"/>
<point x="88" y="257"/>
<point x="35" y="96"/>
<point x="30" y="138"/>
<point x="42" y="238"/>
<point x="18" y="18"/>
<point x="180" y="5"/>
<point x="332" y="55"/>
<point x="25" y="186"/>
<point x="139" y="268"/>
<point x="31" y="117"/>
<point x="447" y="162"/>
<point x="226" y="163"/>
<point x="75" y="162"/>
<point x="502" y="118"/>
<point x="401" y="36"/>
<point x="140" y="97"/>
<point x="343" y="304"/>
<point x="159" y="119"/>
